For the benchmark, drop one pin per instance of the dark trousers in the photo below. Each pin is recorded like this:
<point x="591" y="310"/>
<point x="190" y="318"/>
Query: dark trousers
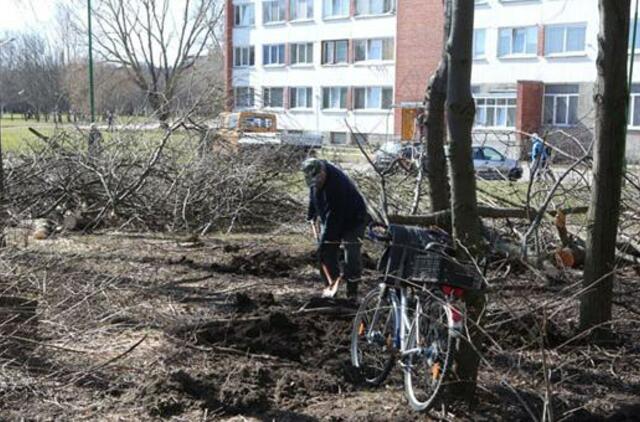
<point x="351" y="241"/>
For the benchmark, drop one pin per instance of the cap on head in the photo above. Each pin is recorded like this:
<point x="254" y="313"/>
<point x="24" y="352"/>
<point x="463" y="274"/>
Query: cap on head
<point x="312" y="167"/>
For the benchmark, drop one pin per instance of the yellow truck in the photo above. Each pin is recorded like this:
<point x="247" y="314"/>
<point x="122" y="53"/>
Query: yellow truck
<point x="245" y="128"/>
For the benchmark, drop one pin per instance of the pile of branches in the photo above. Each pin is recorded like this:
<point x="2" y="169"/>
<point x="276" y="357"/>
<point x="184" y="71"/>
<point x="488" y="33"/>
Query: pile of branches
<point x="171" y="180"/>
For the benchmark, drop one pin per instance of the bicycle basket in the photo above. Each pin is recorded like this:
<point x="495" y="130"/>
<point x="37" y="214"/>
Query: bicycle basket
<point x="431" y="267"/>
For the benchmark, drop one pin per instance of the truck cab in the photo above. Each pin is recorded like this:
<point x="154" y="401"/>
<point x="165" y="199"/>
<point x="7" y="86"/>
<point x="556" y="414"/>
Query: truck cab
<point x="247" y="127"/>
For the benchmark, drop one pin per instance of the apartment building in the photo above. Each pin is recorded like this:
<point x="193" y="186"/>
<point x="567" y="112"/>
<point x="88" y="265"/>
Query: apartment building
<point x="326" y="65"/>
<point x="323" y="64"/>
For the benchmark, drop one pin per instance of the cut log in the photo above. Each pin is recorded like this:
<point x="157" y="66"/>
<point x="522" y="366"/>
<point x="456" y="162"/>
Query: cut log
<point x="571" y="254"/>
<point x="438" y="218"/>
<point x="42" y="228"/>
<point x="77" y="220"/>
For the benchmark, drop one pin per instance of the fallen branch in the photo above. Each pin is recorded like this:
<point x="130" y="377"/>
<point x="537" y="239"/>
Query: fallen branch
<point x="439" y="217"/>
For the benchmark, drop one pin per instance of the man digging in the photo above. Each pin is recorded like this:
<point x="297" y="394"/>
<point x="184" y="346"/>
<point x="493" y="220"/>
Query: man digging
<point x="336" y="202"/>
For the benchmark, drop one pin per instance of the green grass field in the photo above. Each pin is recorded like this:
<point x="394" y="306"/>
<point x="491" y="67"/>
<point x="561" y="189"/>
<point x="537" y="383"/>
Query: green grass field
<point x="16" y="135"/>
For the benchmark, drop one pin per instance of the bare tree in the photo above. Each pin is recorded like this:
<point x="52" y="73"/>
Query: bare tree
<point x="154" y="47"/>
<point x="434" y="126"/>
<point x="611" y="101"/>
<point x="466" y="222"/>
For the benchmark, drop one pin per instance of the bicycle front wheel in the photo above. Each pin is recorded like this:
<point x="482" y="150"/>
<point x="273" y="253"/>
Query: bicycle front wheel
<point x="430" y="352"/>
<point x="373" y="334"/>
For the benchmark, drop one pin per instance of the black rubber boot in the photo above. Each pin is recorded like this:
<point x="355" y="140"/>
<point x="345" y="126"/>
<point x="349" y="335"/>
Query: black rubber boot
<point x="352" y="290"/>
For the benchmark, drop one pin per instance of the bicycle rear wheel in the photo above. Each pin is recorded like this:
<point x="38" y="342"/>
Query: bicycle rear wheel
<point x="425" y="369"/>
<point x="373" y="334"/>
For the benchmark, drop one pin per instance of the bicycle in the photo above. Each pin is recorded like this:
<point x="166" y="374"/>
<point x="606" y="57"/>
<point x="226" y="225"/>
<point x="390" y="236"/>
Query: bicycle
<point x="414" y="315"/>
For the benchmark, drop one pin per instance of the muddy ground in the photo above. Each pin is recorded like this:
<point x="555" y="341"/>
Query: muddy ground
<point x="147" y="327"/>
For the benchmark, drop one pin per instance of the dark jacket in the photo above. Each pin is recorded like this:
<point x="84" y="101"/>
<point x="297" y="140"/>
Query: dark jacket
<point x="338" y="204"/>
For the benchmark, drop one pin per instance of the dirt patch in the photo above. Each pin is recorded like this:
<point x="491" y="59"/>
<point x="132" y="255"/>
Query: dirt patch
<point x="523" y="330"/>
<point x="265" y="263"/>
<point x="245" y="303"/>
<point x="171" y="395"/>
<point x="274" y="263"/>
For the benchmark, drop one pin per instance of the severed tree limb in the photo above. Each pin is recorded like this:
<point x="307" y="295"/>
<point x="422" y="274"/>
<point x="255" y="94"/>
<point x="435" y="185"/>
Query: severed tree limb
<point x="484" y="211"/>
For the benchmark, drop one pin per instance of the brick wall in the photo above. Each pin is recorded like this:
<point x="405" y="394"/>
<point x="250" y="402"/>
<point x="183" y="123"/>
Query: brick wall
<point x="528" y="111"/>
<point x="418" y="49"/>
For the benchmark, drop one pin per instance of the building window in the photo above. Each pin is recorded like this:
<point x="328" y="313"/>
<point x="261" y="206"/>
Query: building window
<point x="634" y="106"/>
<point x="479" y="38"/>
<point x="373" y="50"/>
<point x="518" y="41"/>
<point x="561" y="105"/>
<point x="637" y="35"/>
<point x="335" y="8"/>
<point x="374" y="7"/>
<point x="301" y="9"/>
<point x="339" y="138"/>
<point x="244" y="96"/>
<point x="334" y="97"/>
<point x="273" y="11"/>
<point x="495" y="111"/>
<point x="374" y="97"/>
<point x="244" y="56"/>
<point x="300" y="97"/>
<point x="335" y="52"/>
<point x="273" y="54"/>
<point x="564" y="39"/>
<point x="480" y="2"/>
<point x="360" y="138"/>
<point x="273" y="97"/>
<point x="302" y="53"/>
<point x="243" y="15"/>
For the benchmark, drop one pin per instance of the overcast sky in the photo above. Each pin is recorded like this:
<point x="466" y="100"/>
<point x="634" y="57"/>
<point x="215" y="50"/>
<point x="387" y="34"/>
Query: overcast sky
<point x="18" y="15"/>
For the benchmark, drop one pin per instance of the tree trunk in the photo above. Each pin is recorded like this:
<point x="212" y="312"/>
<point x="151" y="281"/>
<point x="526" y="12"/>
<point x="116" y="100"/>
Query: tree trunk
<point x="435" y="127"/>
<point x="611" y="103"/>
<point x="466" y="222"/>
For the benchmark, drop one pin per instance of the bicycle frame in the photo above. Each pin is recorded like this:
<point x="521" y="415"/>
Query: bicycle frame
<point x="407" y="330"/>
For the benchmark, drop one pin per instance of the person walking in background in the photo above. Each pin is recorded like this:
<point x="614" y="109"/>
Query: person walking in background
<point x="539" y="157"/>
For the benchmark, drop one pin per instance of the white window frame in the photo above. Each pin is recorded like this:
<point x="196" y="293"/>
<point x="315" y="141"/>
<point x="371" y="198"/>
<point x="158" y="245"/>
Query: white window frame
<point x="505" y="102"/>
<point x="512" y="30"/>
<point x="368" y="95"/>
<point x="632" y="108"/>
<point x="363" y="7"/>
<point x="277" y="6"/>
<point x="480" y="2"/>
<point x="267" y="95"/>
<point x="477" y="56"/>
<point x="565" y="30"/>
<point x="332" y="91"/>
<point x="295" y="54"/>
<point x="239" y="13"/>
<point x="239" y="53"/>
<point x="555" y="97"/>
<point x="333" y="62"/>
<point x="295" y="97"/>
<point x="296" y="6"/>
<point x="250" y="94"/>
<point x="331" y="13"/>
<point x="367" y="50"/>
<point x="637" y="36"/>
<point x="269" y="50"/>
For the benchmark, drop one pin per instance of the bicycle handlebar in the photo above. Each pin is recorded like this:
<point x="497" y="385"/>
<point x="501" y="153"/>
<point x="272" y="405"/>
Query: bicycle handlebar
<point x="373" y="235"/>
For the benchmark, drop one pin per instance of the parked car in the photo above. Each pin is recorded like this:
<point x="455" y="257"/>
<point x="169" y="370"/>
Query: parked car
<point x="393" y="155"/>
<point x="491" y="164"/>
<point x="487" y="161"/>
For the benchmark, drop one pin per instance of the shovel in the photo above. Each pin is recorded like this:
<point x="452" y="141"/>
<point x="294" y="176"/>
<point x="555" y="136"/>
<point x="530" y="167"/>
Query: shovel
<point x="332" y="288"/>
